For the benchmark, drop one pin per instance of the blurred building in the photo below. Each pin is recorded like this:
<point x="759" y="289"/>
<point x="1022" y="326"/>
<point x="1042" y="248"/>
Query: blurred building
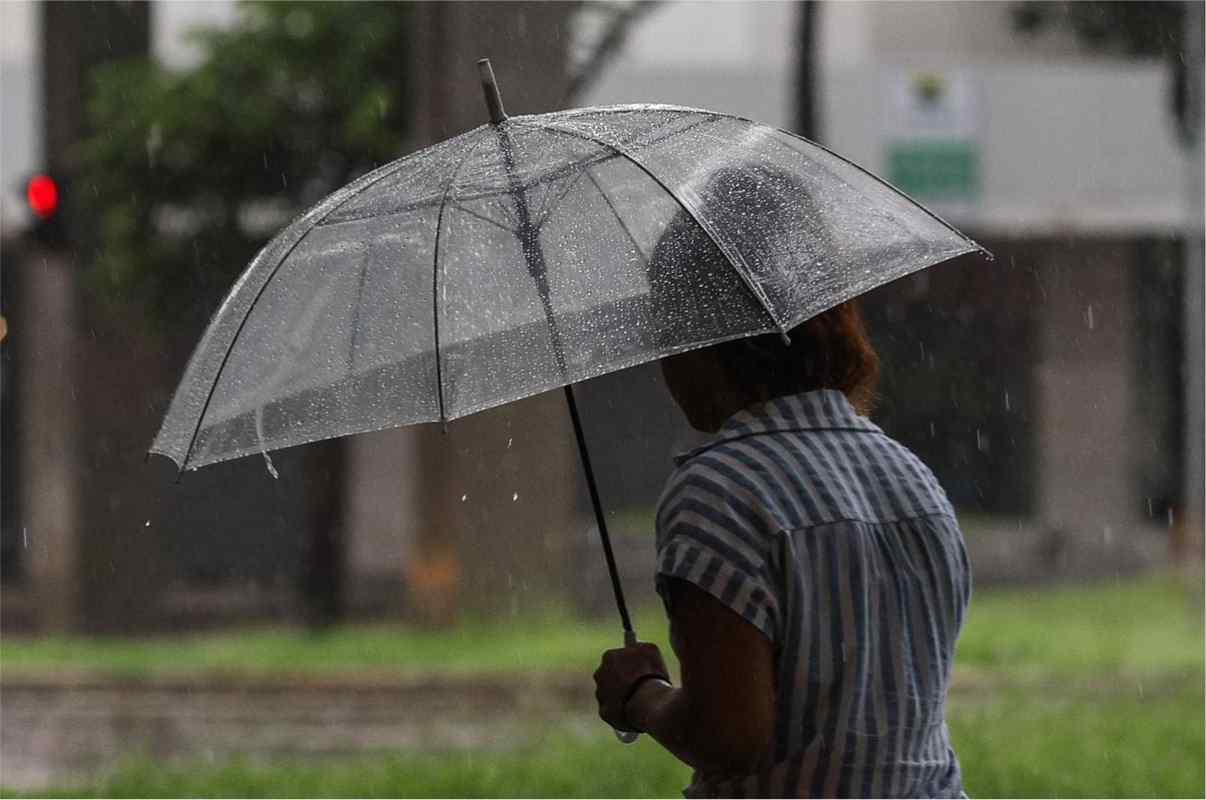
<point x="1048" y="389"/>
<point x="1052" y="387"/>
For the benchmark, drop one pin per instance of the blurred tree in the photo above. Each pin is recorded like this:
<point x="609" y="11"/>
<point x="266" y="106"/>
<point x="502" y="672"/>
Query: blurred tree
<point x="187" y="173"/>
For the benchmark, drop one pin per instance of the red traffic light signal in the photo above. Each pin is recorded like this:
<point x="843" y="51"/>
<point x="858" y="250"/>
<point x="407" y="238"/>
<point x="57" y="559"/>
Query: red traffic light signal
<point x="42" y="194"/>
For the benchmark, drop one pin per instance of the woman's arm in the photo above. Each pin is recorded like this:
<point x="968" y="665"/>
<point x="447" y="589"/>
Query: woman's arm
<point x="721" y="720"/>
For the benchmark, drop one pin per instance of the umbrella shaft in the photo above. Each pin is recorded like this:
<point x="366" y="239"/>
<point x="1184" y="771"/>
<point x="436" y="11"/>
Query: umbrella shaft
<point x="616" y="588"/>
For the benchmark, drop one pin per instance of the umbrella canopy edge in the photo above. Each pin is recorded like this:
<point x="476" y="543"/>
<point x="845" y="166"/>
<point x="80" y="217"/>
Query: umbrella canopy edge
<point x="280" y="247"/>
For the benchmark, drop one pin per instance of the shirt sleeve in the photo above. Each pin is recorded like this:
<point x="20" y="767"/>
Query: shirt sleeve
<point x="711" y="534"/>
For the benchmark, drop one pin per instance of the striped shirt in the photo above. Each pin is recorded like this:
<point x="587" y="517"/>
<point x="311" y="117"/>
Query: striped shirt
<point x="839" y="545"/>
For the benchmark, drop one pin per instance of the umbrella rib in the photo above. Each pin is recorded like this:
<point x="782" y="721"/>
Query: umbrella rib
<point x="978" y="247"/>
<point x="629" y="109"/>
<point x="435" y="274"/>
<point x="735" y="259"/>
<point x="616" y="212"/>
<point x="482" y="217"/>
<point x="546" y="208"/>
<point x="357" y="188"/>
<point x="354" y="339"/>
<point x="476" y="195"/>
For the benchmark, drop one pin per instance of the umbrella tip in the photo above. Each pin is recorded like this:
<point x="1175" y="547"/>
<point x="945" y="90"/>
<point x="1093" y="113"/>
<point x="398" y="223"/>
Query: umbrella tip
<point x="490" y="88"/>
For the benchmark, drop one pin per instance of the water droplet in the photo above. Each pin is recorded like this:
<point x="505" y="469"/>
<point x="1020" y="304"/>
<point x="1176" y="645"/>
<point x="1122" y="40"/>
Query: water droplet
<point x="464" y="497"/>
<point x="509" y="443"/>
<point x="146" y="524"/>
<point x="514" y="497"/>
<point x="981" y="441"/>
<point x="932" y="432"/>
<point x="1007" y="406"/>
<point x="1150" y="511"/>
<point x="1089" y="317"/>
<point x="154" y="144"/>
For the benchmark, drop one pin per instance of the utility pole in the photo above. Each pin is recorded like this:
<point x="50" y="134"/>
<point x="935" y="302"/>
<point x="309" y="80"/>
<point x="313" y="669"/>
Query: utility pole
<point x="1194" y="521"/>
<point x="806" y="120"/>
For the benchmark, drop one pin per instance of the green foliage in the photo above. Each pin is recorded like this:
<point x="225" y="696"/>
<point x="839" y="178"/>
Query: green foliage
<point x="1125" y="627"/>
<point x="1058" y="744"/>
<point x="1148" y="28"/>
<point x="190" y="172"/>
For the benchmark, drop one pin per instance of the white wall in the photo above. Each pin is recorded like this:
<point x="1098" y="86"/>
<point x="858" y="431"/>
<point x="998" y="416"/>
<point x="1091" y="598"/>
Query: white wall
<point x="734" y="57"/>
<point x="1084" y="146"/>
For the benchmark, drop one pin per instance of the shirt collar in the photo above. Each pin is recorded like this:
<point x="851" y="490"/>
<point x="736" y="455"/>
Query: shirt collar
<point x="821" y="409"/>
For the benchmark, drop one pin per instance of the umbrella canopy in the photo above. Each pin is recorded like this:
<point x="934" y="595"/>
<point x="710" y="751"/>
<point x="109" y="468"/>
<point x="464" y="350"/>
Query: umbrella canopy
<point x="530" y="254"/>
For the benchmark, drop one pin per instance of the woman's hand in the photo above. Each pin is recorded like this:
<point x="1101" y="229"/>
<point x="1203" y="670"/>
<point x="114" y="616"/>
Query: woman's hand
<point x="618" y="675"/>
<point x="721" y="720"/>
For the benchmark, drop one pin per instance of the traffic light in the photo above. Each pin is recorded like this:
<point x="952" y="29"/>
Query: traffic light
<point x="44" y="199"/>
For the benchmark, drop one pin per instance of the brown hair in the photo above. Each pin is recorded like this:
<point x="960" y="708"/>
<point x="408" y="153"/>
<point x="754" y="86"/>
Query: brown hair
<point x="829" y="351"/>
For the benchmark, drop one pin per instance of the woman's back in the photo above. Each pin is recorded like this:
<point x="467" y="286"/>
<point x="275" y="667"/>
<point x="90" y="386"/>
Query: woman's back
<point x="840" y="546"/>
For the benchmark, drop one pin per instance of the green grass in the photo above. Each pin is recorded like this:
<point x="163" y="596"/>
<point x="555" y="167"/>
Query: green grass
<point x="565" y="765"/>
<point x="551" y="642"/>
<point x="1134" y="626"/>
<point x="1016" y="745"/>
<point x="1066" y="692"/>
<point x="1131" y="627"/>
<point x="1022" y="744"/>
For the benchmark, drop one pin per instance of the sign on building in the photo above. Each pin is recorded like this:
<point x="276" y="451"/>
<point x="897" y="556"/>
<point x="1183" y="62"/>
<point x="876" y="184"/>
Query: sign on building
<point x="931" y="135"/>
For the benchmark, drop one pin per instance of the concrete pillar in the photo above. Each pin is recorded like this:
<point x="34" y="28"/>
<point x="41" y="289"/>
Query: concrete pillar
<point x="42" y="333"/>
<point x="94" y="564"/>
<point x="1084" y="393"/>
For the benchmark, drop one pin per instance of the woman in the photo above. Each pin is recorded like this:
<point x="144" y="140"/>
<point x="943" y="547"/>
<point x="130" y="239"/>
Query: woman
<point x="815" y="579"/>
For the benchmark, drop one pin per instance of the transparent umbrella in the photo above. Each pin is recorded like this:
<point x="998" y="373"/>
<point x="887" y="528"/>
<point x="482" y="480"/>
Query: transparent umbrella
<point x="528" y="254"/>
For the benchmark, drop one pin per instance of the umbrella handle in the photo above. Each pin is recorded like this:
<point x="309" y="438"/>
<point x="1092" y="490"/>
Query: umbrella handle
<point x="628" y="737"/>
